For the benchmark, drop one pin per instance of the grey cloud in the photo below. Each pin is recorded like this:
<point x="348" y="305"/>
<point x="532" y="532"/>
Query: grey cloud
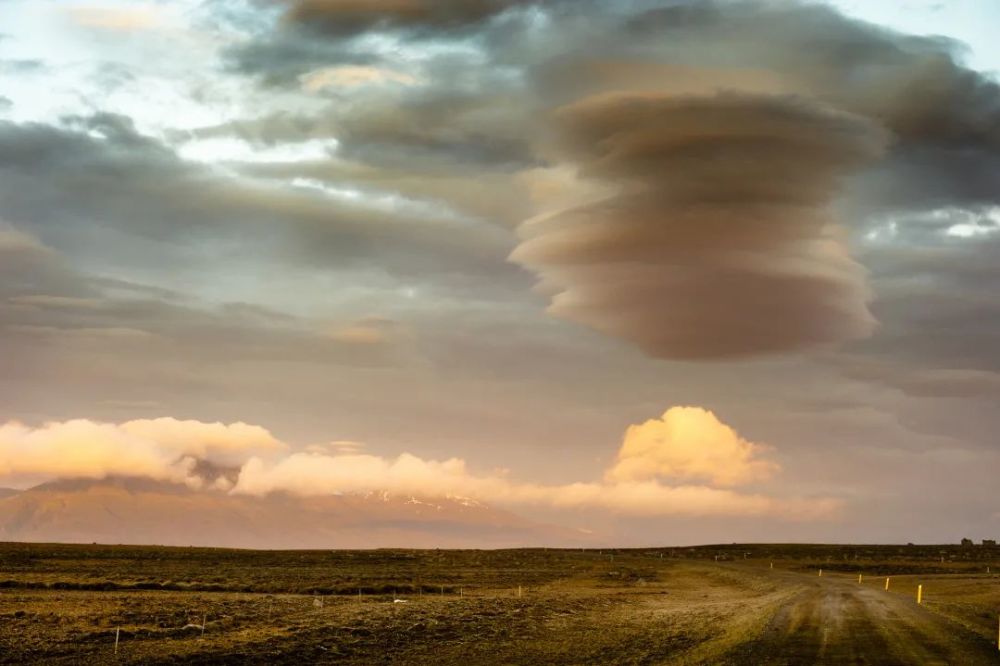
<point x="923" y="382"/>
<point x="351" y="17"/>
<point x="102" y="174"/>
<point x="278" y="59"/>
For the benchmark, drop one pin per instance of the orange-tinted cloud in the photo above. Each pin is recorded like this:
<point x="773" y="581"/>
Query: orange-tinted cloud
<point x="161" y="448"/>
<point x="689" y="443"/>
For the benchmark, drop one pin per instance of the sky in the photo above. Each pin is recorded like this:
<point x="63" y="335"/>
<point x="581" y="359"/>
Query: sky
<point x="673" y="271"/>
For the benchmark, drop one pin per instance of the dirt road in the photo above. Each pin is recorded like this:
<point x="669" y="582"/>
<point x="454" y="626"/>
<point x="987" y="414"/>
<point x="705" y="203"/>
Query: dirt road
<point x="837" y="621"/>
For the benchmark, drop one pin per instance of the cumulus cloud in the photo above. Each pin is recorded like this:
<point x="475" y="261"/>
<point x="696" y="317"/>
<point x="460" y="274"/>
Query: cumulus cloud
<point x="686" y="444"/>
<point x="163" y="448"/>
<point x="689" y="443"/>
<point x="719" y="241"/>
<point x="319" y="474"/>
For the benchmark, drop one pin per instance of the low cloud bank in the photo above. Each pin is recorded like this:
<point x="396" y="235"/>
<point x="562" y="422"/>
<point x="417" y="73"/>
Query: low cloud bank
<point x="686" y="444"/>
<point x="163" y="449"/>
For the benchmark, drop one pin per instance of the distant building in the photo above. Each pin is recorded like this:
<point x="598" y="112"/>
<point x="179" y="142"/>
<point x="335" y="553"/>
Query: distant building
<point x="989" y="542"/>
<point x="967" y="542"/>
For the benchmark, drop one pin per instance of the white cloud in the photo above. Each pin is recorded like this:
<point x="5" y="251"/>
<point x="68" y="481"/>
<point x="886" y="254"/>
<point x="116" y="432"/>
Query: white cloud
<point x="689" y="443"/>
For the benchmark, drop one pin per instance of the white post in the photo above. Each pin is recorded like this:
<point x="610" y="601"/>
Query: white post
<point x="117" y="632"/>
<point x="203" y="616"/>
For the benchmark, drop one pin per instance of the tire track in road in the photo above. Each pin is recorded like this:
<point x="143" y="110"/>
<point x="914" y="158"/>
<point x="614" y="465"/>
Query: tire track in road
<point x="834" y="621"/>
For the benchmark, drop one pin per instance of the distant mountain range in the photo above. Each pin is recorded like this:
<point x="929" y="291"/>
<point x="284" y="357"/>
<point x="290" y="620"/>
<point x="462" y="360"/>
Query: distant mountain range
<point x="143" y="511"/>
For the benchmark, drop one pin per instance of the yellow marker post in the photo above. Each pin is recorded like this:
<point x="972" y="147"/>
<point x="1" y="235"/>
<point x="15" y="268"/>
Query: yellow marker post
<point x="886" y="583"/>
<point x="820" y="573"/>
<point x="859" y="579"/>
<point x="920" y="594"/>
<point x="772" y="565"/>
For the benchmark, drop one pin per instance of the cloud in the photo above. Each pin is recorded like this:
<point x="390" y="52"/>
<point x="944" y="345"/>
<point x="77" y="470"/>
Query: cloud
<point x="349" y="17"/>
<point x="174" y="450"/>
<point x="318" y="474"/>
<point x="719" y="241"/>
<point x="689" y="443"/>
<point x="351" y="76"/>
<point x="161" y="448"/>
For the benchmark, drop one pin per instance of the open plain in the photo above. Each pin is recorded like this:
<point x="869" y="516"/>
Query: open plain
<point x="63" y="604"/>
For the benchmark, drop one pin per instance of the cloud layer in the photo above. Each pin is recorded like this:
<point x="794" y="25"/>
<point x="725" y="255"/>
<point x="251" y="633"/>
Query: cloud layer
<point x="163" y="448"/>
<point x="687" y="444"/>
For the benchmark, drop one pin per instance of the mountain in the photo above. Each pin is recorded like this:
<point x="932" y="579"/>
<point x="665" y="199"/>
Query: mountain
<point x="8" y="492"/>
<point x="142" y="511"/>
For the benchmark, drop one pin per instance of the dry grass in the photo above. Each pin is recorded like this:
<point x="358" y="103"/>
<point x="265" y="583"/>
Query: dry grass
<point x="62" y="604"/>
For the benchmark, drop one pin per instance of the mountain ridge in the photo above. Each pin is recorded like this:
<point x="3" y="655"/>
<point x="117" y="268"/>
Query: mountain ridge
<point x="140" y="511"/>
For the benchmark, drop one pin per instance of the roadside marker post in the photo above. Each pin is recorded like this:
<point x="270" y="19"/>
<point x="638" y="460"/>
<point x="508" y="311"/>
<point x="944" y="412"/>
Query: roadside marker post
<point x="117" y="633"/>
<point x="859" y="579"/>
<point x="820" y="573"/>
<point x="920" y="594"/>
<point x="772" y="565"/>
<point x="886" y="583"/>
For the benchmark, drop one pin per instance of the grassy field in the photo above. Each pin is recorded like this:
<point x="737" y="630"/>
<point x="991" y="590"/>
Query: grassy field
<point x="64" y="604"/>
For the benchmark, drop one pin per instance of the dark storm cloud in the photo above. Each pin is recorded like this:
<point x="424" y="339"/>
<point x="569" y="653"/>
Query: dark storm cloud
<point x="278" y="59"/>
<point x="937" y="296"/>
<point x="101" y="173"/>
<point x="946" y="117"/>
<point x="718" y="242"/>
<point x="351" y="17"/>
<point x="476" y="128"/>
<point x="943" y="120"/>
